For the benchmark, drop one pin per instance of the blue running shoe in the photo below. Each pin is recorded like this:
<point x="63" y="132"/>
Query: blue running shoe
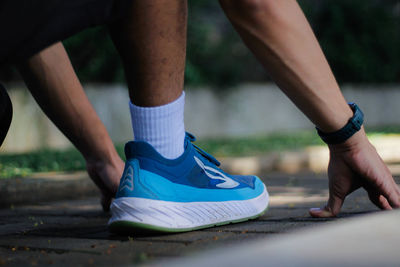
<point x="183" y="194"/>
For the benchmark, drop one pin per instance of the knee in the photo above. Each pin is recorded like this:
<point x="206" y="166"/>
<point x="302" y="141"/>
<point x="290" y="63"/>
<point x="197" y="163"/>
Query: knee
<point x="247" y="6"/>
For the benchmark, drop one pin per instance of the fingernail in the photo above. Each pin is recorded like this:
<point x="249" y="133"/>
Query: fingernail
<point x="315" y="210"/>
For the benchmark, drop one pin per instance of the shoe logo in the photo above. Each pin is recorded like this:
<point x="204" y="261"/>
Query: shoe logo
<point x="127" y="180"/>
<point x="228" y="182"/>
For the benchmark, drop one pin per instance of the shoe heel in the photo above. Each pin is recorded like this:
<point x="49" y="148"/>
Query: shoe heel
<point x="127" y="182"/>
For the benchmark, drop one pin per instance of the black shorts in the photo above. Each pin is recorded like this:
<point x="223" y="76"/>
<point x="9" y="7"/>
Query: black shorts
<point x="28" y="26"/>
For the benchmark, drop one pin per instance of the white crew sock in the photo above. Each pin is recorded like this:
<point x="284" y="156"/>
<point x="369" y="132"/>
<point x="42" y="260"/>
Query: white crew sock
<point x="162" y="127"/>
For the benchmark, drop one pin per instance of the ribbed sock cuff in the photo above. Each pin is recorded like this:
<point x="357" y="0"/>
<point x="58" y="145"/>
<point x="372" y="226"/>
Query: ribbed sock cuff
<point x="162" y="127"/>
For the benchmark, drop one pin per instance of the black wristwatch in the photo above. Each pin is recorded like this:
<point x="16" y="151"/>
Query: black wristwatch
<point x="353" y="126"/>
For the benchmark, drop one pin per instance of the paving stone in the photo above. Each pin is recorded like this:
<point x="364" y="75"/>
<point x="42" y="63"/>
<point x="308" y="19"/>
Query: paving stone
<point x="371" y="240"/>
<point x="267" y="227"/>
<point x="74" y="232"/>
<point x="46" y="187"/>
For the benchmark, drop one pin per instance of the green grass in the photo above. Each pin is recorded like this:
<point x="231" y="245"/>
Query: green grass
<point x="41" y="161"/>
<point x="222" y="147"/>
<point x="21" y="165"/>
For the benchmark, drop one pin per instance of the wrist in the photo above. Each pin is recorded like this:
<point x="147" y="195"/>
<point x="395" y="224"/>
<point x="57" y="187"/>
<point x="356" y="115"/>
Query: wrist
<point x="333" y="118"/>
<point x="359" y="139"/>
<point x="352" y="126"/>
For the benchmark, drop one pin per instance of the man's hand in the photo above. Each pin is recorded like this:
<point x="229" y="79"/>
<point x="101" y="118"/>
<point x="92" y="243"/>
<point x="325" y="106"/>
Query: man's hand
<point x="355" y="164"/>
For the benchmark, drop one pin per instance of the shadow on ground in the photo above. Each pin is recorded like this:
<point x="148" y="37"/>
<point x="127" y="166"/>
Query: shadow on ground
<point x="75" y="231"/>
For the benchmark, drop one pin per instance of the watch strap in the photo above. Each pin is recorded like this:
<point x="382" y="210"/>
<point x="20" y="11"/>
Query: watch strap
<point x="352" y="126"/>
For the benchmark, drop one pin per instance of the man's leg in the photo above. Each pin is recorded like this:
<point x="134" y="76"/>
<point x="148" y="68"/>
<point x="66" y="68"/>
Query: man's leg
<point x="180" y="188"/>
<point x="53" y="83"/>
<point x="280" y="37"/>
<point x="152" y="43"/>
<point x="6" y="113"/>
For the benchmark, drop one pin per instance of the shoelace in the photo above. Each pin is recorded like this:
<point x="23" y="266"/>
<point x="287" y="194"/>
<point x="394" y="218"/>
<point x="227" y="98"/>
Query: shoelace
<point x="192" y="139"/>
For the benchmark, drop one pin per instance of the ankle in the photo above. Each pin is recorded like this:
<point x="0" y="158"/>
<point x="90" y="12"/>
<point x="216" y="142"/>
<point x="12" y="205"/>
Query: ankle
<point x="162" y="127"/>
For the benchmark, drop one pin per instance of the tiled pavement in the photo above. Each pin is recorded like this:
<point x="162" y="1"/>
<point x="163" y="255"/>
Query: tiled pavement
<point x="74" y="232"/>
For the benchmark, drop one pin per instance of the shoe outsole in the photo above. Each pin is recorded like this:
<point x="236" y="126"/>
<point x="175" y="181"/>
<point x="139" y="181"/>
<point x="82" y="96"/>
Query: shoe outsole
<point x="138" y="215"/>
<point x="127" y="227"/>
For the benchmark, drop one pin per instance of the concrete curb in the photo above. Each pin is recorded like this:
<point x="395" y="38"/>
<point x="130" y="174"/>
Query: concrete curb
<point x="45" y="187"/>
<point x="59" y="186"/>
<point x="313" y="158"/>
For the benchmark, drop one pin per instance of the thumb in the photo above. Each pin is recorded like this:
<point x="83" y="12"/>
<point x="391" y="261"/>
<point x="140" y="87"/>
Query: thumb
<point x="330" y="210"/>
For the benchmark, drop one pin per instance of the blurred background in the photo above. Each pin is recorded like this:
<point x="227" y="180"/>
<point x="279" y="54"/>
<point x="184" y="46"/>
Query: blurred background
<point x="361" y="40"/>
<point x="226" y="86"/>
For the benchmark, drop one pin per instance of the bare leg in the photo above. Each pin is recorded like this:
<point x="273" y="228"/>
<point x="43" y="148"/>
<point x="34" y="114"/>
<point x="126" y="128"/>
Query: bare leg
<point x="53" y="83"/>
<point x="152" y="45"/>
<point x="6" y="113"/>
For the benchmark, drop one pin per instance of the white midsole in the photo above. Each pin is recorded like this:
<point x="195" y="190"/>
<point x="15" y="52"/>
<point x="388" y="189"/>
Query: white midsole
<point x="181" y="215"/>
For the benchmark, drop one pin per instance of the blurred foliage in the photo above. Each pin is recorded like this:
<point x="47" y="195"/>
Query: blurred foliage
<point x="361" y="40"/>
<point x="94" y="56"/>
<point x="22" y="165"/>
<point x="215" y="53"/>
<point x="258" y="145"/>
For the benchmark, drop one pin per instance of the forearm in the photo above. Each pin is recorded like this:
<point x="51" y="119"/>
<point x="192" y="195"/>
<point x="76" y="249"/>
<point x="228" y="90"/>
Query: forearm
<point x="52" y="81"/>
<point x="280" y="37"/>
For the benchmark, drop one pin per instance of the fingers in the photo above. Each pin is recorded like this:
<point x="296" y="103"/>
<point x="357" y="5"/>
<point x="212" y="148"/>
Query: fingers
<point x="378" y="199"/>
<point x="382" y="203"/>
<point x="393" y="200"/>
<point x="388" y="188"/>
<point x="397" y="188"/>
<point x="381" y="181"/>
<point x="106" y="199"/>
<point x="330" y="210"/>
<point x="106" y="194"/>
<point x="105" y="202"/>
<point x="320" y="213"/>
